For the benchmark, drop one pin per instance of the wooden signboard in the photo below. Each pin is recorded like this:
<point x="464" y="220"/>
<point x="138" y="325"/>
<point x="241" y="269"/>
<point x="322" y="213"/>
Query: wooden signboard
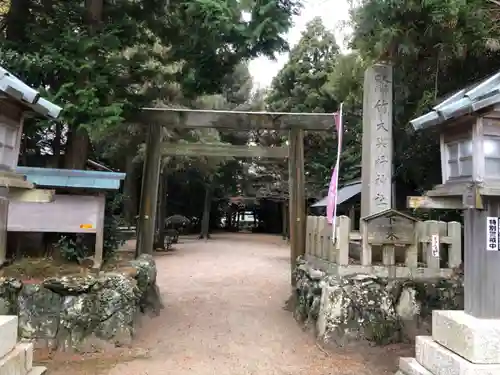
<point x="66" y="214"/>
<point x="391" y="230"/>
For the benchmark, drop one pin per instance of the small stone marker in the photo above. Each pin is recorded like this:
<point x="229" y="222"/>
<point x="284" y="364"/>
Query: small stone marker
<point x="435" y="245"/>
<point x="492" y="233"/>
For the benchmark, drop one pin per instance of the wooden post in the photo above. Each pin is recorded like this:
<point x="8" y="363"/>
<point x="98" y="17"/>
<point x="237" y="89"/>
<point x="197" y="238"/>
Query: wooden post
<point x="481" y="266"/>
<point x="284" y="219"/>
<point x="99" y="234"/>
<point x="352" y="217"/>
<point x="342" y="242"/>
<point x="4" y="213"/>
<point x="161" y="210"/>
<point x="292" y="191"/>
<point x="455" y="249"/>
<point x="149" y="191"/>
<point x="287" y="219"/>
<point x="411" y="255"/>
<point x="432" y="227"/>
<point x="297" y="196"/>
<point x="310" y="234"/>
<point x="207" y="205"/>
<point x="301" y="219"/>
<point x="324" y="240"/>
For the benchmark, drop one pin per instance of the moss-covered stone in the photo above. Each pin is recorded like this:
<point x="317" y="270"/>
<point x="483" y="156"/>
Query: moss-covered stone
<point x="365" y="307"/>
<point x="70" y="309"/>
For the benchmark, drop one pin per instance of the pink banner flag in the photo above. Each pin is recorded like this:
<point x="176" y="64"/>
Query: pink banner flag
<point x="331" y="205"/>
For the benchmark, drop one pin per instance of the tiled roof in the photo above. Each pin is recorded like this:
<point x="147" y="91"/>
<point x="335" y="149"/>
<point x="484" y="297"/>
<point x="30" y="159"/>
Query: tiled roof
<point x="467" y="101"/>
<point x="18" y="90"/>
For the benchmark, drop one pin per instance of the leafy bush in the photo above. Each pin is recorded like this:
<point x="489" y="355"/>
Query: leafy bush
<point x="71" y="249"/>
<point x="112" y="220"/>
<point x="75" y="247"/>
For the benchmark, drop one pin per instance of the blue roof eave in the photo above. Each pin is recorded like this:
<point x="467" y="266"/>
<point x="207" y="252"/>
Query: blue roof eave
<point x="68" y="178"/>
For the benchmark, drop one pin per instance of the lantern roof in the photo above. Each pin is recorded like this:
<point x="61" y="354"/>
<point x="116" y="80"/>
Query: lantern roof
<point x="15" y="89"/>
<point x="479" y="96"/>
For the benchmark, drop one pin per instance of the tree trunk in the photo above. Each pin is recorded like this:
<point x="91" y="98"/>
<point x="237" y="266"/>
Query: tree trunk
<point x="77" y="149"/>
<point x="94" y="13"/>
<point x="130" y="191"/>
<point x="17" y="19"/>
<point x="205" y="222"/>
<point x="56" y="147"/>
<point x="78" y="144"/>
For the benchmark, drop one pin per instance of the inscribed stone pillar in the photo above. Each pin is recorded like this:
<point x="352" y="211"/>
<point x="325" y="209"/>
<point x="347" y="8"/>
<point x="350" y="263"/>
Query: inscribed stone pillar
<point x="376" y="173"/>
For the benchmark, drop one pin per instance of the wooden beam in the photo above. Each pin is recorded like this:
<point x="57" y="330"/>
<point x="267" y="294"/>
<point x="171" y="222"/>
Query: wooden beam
<point x="196" y="149"/>
<point x="31" y="195"/>
<point x="14" y="180"/>
<point x="435" y="203"/>
<point x="99" y="233"/>
<point x="238" y="120"/>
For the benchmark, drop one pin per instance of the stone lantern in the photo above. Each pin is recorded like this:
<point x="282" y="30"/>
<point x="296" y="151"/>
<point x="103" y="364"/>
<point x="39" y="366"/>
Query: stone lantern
<point x="467" y="341"/>
<point x="17" y="102"/>
<point x="469" y="126"/>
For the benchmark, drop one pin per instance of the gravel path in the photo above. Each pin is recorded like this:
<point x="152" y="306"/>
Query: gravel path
<point x="224" y="316"/>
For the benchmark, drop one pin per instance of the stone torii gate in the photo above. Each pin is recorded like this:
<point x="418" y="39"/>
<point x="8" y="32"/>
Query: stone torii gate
<point x="294" y="123"/>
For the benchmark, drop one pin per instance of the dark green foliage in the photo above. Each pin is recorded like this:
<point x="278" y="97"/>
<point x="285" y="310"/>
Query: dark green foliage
<point x="304" y="85"/>
<point x="76" y="247"/>
<point x="112" y="220"/>
<point x="436" y="47"/>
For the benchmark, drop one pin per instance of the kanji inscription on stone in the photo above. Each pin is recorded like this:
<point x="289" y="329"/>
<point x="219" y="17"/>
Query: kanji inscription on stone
<point x="380" y="178"/>
<point x="382" y="142"/>
<point x="381" y="159"/>
<point x="381" y="199"/>
<point x="382" y="126"/>
<point x="382" y="83"/>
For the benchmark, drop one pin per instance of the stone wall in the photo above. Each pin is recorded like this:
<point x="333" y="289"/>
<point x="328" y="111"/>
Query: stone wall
<point x="83" y="311"/>
<point x="365" y="307"/>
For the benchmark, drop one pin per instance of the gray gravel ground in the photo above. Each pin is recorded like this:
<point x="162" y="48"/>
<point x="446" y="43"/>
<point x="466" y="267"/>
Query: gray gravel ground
<point x="224" y="315"/>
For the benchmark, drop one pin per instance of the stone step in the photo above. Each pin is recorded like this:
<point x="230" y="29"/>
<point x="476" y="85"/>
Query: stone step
<point x="37" y="370"/>
<point x="477" y="340"/>
<point x="441" y="361"/>
<point x="19" y="361"/>
<point x="410" y="366"/>
<point x="8" y="327"/>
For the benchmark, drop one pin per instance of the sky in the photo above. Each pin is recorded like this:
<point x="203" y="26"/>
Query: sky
<point x="332" y="12"/>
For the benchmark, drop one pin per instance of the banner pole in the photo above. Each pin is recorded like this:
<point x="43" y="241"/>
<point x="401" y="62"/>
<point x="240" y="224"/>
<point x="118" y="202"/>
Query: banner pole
<point x="340" y="131"/>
